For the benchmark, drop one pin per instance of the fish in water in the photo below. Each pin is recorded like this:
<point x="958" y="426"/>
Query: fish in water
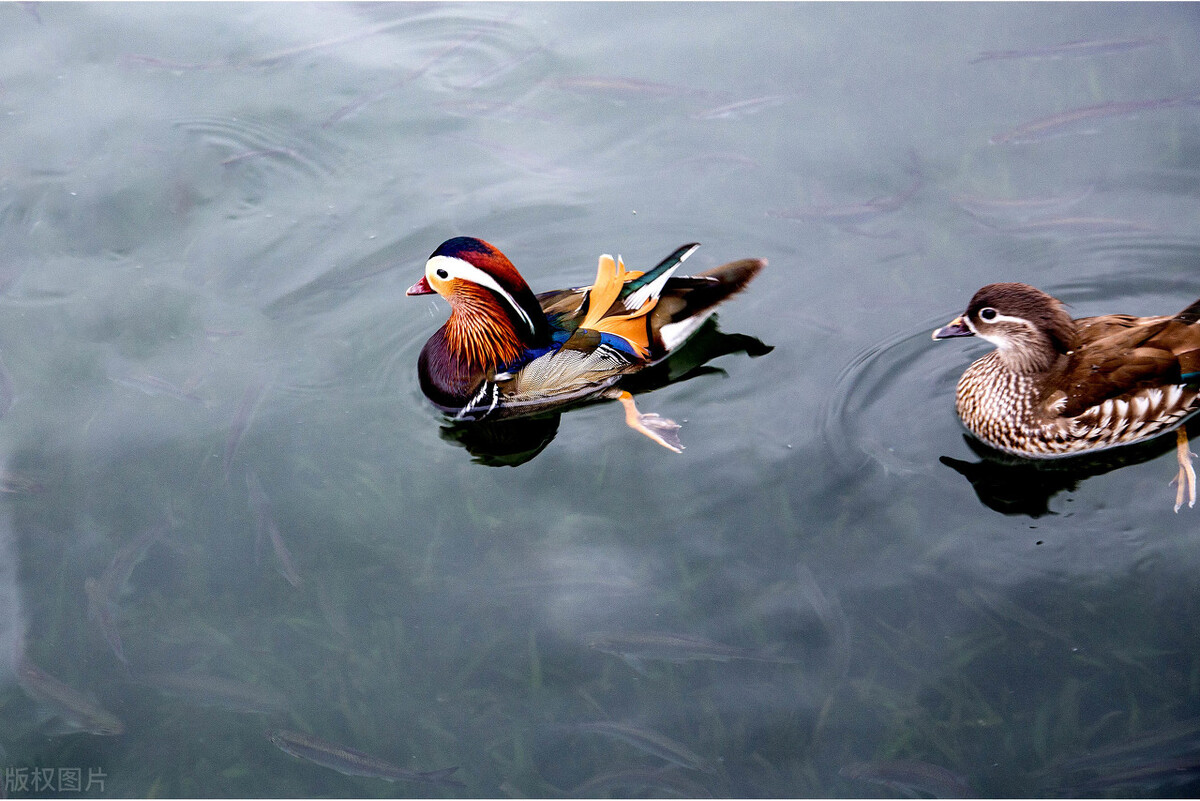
<point x="18" y="484"/>
<point x="352" y="762"/>
<point x="849" y="213"/>
<point x="1077" y="49"/>
<point x="1083" y="120"/>
<point x="267" y="59"/>
<point x="636" y="647"/>
<point x="742" y="108"/>
<point x="1081" y="225"/>
<point x="241" y="421"/>
<point x="493" y="108"/>
<point x="267" y="527"/>
<point x="651" y="742"/>
<point x="664" y="782"/>
<point x="205" y="690"/>
<point x="978" y="206"/>
<point x="155" y="387"/>
<point x="910" y="776"/>
<point x="76" y="710"/>
<point x="1152" y="774"/>
<point x="1161" y="757"/>
<point x="7" y="393"/>
<point x="623" y="86"/>
<point x="849" y="216"/>
<point x="101" y="609"/>
<point x="103" y="591"/>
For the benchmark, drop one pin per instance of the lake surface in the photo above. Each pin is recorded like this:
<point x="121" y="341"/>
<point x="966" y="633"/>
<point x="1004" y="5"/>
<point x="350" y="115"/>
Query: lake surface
<point x="228" y="510"/>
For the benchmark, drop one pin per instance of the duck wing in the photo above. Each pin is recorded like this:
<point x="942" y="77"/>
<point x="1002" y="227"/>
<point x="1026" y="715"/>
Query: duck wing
<point x="616" y="304"/>
<point x="1120" y="355"/>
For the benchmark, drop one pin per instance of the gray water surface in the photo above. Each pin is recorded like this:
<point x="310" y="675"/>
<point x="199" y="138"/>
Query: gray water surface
<point x="209" y="215"/>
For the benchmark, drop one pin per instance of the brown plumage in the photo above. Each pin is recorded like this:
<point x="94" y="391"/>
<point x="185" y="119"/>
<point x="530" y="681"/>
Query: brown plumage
<point x="1057" y="386"/>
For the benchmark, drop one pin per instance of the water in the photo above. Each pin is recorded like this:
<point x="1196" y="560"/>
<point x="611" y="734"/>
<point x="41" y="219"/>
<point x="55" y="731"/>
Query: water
<point x="208" y="217"/>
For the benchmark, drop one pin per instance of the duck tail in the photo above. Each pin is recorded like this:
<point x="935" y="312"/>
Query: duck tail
<point x="1190" y="315"/>
<point x="698" y="294"/>
<point x="687" y="302"/>
<point x="734" y="276"/>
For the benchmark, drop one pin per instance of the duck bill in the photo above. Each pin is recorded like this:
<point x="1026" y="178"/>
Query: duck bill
<point x="954" y="328"/>
<point x="422" y="287"/>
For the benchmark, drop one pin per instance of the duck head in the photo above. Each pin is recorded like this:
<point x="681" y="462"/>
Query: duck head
<point x="495" y="319"/>
<point x="1031" y="329"/>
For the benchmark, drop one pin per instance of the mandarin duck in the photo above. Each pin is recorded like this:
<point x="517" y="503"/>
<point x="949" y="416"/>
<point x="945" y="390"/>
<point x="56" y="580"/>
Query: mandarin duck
<point x="506" y="352"/>
<point x="1057" y="386"/>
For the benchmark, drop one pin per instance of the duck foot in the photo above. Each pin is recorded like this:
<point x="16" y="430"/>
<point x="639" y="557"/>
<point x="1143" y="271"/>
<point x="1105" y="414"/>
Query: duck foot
<point x="654" y="426"/>
<point x="1186" y="480"/>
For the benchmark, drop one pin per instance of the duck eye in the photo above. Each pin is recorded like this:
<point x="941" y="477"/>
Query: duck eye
<point x="987" y="313"/>
<point x="442" y="274"/>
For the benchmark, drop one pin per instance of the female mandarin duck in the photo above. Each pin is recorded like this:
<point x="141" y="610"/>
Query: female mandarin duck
<point x="1057" y="386"/>
<point x="506" y="352"/>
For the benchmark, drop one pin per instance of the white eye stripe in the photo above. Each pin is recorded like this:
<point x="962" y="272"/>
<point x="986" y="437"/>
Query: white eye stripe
<point x="460" y="268"/>
<point x="999" y="339"/>
<point x="1001" y="318"/>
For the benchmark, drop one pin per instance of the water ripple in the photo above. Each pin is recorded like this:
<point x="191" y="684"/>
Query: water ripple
<point x="392" y="361"/>
<point x="894" y="403"/>
<point x="260" y="151"/>
<point x="453" y="53"/>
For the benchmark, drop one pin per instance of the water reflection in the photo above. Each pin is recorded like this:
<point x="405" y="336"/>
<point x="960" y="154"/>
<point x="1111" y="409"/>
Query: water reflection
<point x="1023" y="487"/>
<point x="504" y="442"/>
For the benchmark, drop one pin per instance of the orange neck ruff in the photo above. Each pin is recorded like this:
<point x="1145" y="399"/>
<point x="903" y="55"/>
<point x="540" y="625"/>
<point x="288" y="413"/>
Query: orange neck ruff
<point x="479" y="330"/>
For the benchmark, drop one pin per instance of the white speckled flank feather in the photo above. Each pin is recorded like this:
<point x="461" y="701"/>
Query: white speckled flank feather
<point x="1000" y="407"/>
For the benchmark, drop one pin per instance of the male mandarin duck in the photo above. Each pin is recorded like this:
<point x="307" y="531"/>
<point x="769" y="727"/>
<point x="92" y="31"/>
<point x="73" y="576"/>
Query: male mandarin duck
<point x="1056" y="386"/>
<point x="506" y="352"/>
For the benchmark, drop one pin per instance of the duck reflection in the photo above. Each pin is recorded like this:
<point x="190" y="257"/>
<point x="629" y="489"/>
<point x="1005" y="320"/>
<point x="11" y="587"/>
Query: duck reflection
<point x="1015" y="486"/>
<point x="514" y="441"/>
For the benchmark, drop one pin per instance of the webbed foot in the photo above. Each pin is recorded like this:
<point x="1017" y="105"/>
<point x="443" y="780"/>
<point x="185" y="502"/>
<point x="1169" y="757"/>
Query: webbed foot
<point x="1186" y="480"/>
<point x="654" y="426"/>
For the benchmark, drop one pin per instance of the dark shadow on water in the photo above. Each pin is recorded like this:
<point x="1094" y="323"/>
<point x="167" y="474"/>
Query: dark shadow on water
<point x="1015" y="486"/>
<point x="504" y="442"/>
<point x="514" y="441"/>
